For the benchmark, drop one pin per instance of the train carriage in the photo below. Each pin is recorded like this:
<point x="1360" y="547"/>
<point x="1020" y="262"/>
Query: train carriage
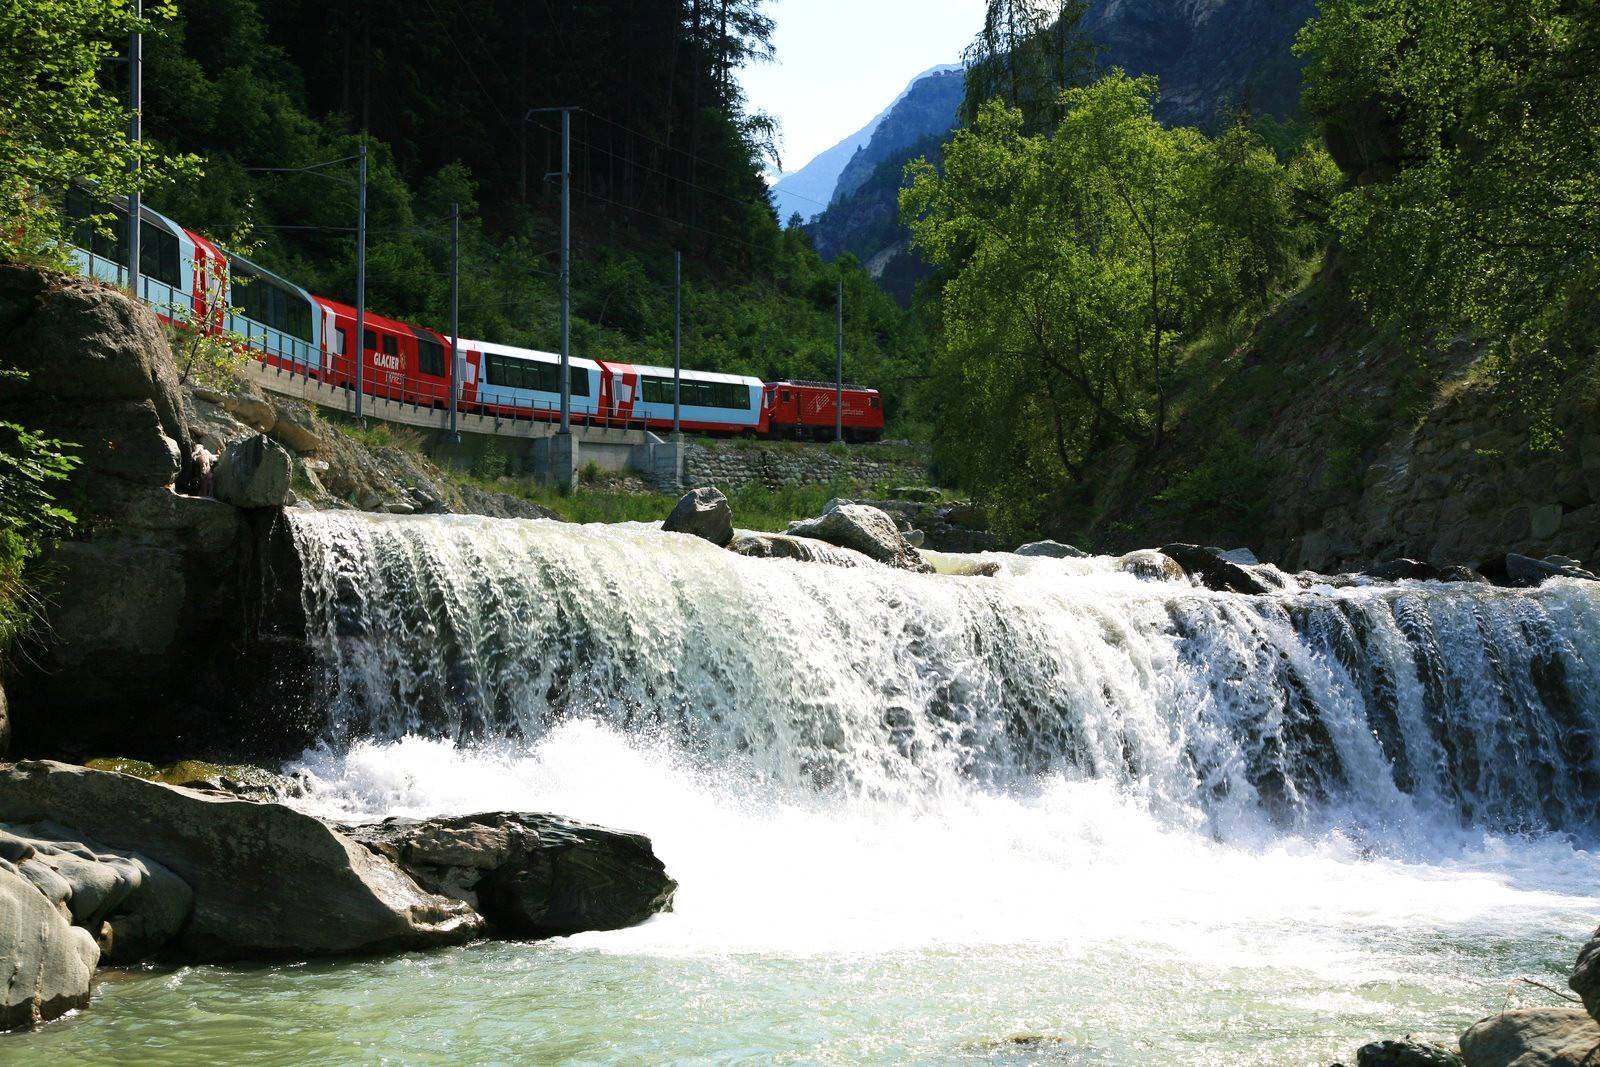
<point x="513" y="382"/>
<point x="711" y="403"/>
<point x="401" y="362"/>
<point x="809" y="409"/>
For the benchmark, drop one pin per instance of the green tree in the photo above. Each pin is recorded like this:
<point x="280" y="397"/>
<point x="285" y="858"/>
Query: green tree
<point x="1025" y="54"/>
<point x="30" y="518"/>
<point x="1472" y="132"/>
<point x="1075" y="266"/>
<point x="58" y="121"/>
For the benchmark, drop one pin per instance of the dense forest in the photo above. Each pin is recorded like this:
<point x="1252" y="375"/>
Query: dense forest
<point x="1104" y="277"/>
<point x="665" y="157"/>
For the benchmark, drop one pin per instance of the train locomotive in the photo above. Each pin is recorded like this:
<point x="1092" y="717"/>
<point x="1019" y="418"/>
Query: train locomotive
<point x="287" y="327"/>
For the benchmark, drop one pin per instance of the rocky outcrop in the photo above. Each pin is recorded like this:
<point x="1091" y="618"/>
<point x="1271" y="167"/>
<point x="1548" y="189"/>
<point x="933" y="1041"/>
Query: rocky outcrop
<point x="253" y="473"/>
<point x="268" y="881"/>
<point x="1533" y="1037"/>
<point x="1585" y="978"/>
<point x="1526" y="572"/>
<point x="1148" y="565"/>
<point x="1408" y="1052"/>
<point x="1050" y="550"/>
<point x="705" y="513"/>
<point x="129" y="903"/>
<point x="46" y="963"/>
<point x="1216" y="571"/>
<point x="866" y="530"/>
<point x="782" y="546"/>
<point x="529" y="875"/>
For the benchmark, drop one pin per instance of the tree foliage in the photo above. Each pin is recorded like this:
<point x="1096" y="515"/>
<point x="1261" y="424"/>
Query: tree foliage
<point x="30" y="467"/>
<point x="1075" y="263"/>
<point x="60" y="121"/>
<point x="1473" y="131"/>
<point x="1026" y="53"/>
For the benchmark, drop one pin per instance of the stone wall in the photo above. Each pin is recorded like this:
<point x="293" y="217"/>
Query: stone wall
<point x="730" y="466"/>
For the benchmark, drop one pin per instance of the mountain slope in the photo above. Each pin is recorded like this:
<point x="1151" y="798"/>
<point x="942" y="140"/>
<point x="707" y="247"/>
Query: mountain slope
<point x="811" y="188"/>
<point x="1214" y="58"/>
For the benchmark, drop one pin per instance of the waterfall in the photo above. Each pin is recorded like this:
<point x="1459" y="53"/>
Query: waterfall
<point x="1384" y="707"/>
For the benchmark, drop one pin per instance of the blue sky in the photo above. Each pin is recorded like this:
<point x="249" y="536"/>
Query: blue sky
<point x="840" y="62"/>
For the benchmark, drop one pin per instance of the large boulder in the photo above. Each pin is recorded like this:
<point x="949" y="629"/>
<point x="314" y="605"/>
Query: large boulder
<point x="1525" y="571"/>
<point x="1533" y="1037"/>
<point x="782" y="546"/>
<point x="865" y="529"/>
<point x="254" y="473"/>
<point x="530" y="875"/>
<point x="268" y="881"/>
<point x="1585" y="978"/>
<point x="703" y="512"/>
<point x="46" y="963"/>
<point x="1050" y="550"/>
<point x="1148" y="565"/>
<point x="131" y="904"/>
<point x="1215" y="571"/>
<point x="1406" y="1053"/>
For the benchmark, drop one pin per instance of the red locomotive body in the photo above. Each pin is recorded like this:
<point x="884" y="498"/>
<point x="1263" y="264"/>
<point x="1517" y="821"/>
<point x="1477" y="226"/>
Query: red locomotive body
<point x="807" y="409"/>
<point x="399" y="361"/>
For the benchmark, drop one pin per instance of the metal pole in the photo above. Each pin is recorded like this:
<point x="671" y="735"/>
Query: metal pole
<point x="838" y="367"/>
<point x="566" y="270"/>
<point x="361" y="273"/>
<point x="677" y="344"/>
<point x="455" y="315"/>
<point x="136" y="134"/>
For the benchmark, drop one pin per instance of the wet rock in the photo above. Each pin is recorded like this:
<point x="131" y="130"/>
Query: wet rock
<point x="1461" y="574"/>
<point x="865" y="529"/>
<point x="782" y="546"/>
<point x="253" y="474"/>
<point x="1525" y="571"/>
<point x="1051" y="550"/>
<point x="530" y="875"/>
<point x="1406" y="1053"/>
<point x="1148" y="565"/>
<point x="46" y="963"/>
<point x="131" y="904"/>
<point x="967" y="568"/>
<point x="1585" y="978"/>
<point x="705" y="513"/>
<point x="1242" y="556"/>
<point x="1217" y="572"/>
<point x="235" y="779"/>
<point x="1396" y="570"/>
<point x="1533" y="1037"/>
<point x="268" y="881"/>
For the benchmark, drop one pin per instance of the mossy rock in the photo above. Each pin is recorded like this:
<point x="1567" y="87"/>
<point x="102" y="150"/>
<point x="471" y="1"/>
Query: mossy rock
<point x="241" y="779"/>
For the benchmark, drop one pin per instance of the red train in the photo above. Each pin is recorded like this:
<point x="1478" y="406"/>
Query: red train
<point x="286" y="326"/>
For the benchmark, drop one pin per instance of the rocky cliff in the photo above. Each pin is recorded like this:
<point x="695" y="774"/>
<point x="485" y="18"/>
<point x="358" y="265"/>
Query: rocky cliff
<point x="171" y="622"/>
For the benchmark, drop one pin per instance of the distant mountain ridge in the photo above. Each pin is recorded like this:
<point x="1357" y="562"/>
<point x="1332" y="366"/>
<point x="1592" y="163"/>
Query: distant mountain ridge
<point x="1214" y="58"/>
<point x="810" y="189"/>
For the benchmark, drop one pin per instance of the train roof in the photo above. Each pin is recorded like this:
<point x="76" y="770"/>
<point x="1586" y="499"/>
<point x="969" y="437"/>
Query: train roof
<point x="376" y="319"/>
<point x="534" y="354"/>
<point x="688" y="375"/>
<point x="848" y="387"/>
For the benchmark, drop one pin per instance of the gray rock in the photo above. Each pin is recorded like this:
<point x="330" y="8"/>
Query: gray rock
<point x="1148" y="565"/>
<point x="530" y="875"/>
<point x="920" y="493"/>
<point x="915" y="537"/>
<point x="253" y="474"/>
<point x="1051" y="550"/>
<point x="1585" y="978"/>
<point x="1242" y="556"/>
<point x="268" y="881"/>
<point x="865" y="529"/>
<point x="1533" y="1037"/>
<point x="131" y="904"/>
<point x="1395" y="570"/>
<point x="703" y="512"/>
<point x="46" y="963"/>
<point x="782" y="546"/>
<point x="1406" y="1053"/>
<point x="1526" y="571"/>
<point x="296" y="428"/>
<point x="1215" y="572"/>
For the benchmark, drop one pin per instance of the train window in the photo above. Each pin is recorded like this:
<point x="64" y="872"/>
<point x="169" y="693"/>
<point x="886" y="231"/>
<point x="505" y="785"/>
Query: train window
<point x="391" y="346"/>
<point x="513" y="373"/>
<point x="430" y="356"/>
<point x="158" y="255"/>
<point x="369" y="340"/>
<point x="787" y="396"/>
<point x="80" y="208"/>
<point x="873" y="401"/>
<point x="698" y="394"/>
<point x="269" y="301"/>
<point x="341" y="340"/>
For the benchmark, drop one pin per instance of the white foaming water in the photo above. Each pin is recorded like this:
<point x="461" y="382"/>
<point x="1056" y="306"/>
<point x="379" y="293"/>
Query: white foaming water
<point x="1058" y="815"/>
